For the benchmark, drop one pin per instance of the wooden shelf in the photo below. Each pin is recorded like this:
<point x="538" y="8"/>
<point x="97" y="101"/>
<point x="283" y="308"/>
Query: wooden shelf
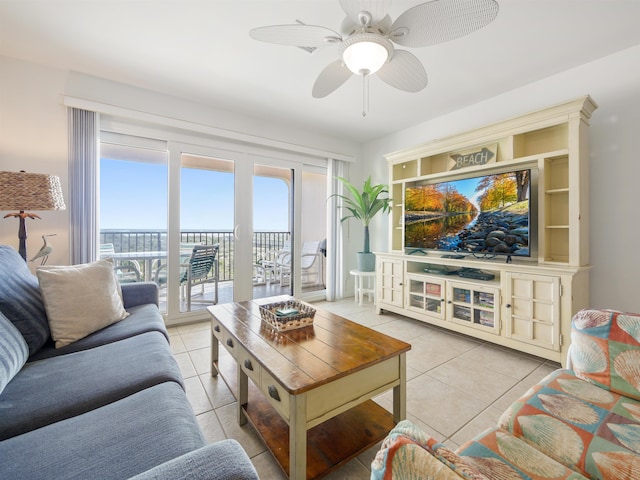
<point x="329" y="445"/>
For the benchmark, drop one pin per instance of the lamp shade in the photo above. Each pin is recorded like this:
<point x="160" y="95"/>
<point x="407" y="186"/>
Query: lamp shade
<point x="366" y="53"/>
<point x="30" y="191"/>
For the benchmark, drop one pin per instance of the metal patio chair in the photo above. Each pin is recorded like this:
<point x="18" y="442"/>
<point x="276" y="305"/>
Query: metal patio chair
<point x="310" y="264"/>
<point x="201" y="268"/>
<point x="127" y="271"/>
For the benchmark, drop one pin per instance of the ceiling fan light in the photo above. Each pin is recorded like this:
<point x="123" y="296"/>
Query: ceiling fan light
<point x="365" y="57"/>
<point x="366" y="53"/>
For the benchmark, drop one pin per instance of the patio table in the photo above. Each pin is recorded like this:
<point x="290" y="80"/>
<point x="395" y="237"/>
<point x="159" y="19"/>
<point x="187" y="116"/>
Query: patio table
<point x="146" y="257"/>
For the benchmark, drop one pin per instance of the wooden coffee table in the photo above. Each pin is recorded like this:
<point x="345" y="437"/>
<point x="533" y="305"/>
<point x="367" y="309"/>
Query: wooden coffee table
<point x="311" y="388"/>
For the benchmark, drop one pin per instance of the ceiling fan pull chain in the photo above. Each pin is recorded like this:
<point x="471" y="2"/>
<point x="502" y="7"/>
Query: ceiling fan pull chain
<point x="365" y="94"/>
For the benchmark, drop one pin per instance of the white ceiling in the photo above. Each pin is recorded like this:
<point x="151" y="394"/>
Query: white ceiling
<point x="201" y="50"/>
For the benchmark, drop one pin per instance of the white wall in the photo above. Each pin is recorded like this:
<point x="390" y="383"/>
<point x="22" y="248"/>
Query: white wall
<point x="33" y="137"/>
<point x="613" y="82"/>
<point x="33" y="133"/>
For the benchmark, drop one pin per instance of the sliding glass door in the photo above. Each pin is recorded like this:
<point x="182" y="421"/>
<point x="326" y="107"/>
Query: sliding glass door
<point x="240" y="205"/>
<point x="212" y="226"/>
<point x="272" y="228"/>
<point x="313" y="228"/>
<point x="202" y="235"/>
<point x="132" y="213"/>
<point x="207" y="221"/>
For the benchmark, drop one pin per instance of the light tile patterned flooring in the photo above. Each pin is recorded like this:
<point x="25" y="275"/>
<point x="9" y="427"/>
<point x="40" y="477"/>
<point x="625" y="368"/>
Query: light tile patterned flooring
<point x="456" y="385"/>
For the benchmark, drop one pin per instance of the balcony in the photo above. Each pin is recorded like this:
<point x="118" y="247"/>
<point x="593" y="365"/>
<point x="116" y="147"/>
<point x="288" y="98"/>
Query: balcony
<point x="155" y="242"/>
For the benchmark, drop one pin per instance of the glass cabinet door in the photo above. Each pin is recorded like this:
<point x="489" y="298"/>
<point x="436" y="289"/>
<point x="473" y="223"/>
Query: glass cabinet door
<point x="426" y="295"/>
<point x="474" y="306"/>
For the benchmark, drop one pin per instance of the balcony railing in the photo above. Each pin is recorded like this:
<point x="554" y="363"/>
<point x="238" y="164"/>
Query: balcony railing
<point x="156" y="241"/>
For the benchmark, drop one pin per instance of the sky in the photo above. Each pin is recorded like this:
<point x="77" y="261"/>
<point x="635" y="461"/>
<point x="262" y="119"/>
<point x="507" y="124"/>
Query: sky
<point x="467" y="187"/>
<point x="133" y="195"/>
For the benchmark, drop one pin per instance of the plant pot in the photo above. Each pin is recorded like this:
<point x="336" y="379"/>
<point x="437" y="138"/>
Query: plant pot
<point x="366" y="262"/>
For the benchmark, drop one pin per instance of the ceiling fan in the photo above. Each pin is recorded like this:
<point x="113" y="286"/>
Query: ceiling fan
<point x="367" y="37"/>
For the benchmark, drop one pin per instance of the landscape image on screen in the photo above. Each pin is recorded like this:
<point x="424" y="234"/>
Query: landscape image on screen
<point x="481" y="215"/>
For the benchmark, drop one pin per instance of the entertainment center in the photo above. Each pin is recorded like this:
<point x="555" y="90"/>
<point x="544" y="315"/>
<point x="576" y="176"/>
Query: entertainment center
<point x="489" y="230"/>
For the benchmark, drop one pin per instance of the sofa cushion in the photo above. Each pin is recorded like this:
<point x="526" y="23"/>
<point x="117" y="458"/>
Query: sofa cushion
<point x="589" y="429"/>
<point x="13" y="351"/>
<point x="605" y="350"/>
<point x="498" y="454"/>
<point x="140" y="293"/>
<point x="403" y="458"/>
<point x="117" y="441"/>
<point x="141" y="319"/>
<point x="20" y="299"/>
<point x="223" y="460"/>
<point x="80" y="299"/>
<point x="407" y="450"/>
<point x="54" y="389"/>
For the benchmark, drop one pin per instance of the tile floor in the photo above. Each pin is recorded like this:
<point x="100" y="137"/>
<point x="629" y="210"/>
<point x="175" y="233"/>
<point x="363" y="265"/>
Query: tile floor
<point x="456" y="385"/>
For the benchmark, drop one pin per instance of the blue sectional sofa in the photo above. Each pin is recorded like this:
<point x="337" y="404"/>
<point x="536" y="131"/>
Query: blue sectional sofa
<point x="110" y="405"/>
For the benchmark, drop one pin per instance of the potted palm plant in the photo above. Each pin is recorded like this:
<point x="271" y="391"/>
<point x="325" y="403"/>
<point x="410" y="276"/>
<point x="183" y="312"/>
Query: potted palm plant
<point x="364" y="205"/>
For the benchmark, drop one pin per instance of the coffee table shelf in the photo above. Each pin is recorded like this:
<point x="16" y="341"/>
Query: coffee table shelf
<point x="329" y="445"/>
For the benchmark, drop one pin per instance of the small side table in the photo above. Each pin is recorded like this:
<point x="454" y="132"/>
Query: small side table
<point x="362" y="278"/>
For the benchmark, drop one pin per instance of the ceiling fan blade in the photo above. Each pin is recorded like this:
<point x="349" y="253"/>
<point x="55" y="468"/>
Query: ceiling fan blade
<point x="296" y="35"/>
<point x="439" y="21"/>
<point x="385" y="24"/>
<point x="377" y="8"/>
<point x="404" y="71"/>
<point x="383" y="27"/>
<point x="332" y="77"/>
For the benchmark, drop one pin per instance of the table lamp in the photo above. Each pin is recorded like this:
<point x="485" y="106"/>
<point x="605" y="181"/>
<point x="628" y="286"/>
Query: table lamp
<point x="29" y="191"/>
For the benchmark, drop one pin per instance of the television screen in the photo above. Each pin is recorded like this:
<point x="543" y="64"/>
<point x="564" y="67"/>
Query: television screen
<point x="485" y="215"/>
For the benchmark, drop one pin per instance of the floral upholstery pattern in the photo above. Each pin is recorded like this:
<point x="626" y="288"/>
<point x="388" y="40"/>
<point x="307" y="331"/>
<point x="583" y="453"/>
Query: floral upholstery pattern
<point x="408" y="453"/>
<point x="589" y="429"/>
<point x="605" y="350"/>
<point x="573" y="424"/>
<point x="501" y="456"/>
<point x="589" y="418"/>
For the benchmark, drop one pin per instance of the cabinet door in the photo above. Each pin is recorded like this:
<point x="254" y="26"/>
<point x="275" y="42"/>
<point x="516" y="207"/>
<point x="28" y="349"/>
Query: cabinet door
<point x="425" y="295"/>
<point x="474" y="305"/>
<point x="390" y="273"/>
<point x="533" y="309"/>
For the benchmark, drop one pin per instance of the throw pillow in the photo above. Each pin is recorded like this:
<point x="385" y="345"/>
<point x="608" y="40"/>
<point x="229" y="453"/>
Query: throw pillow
<point x="13" y="351"/>
<point x="605" y="350"/>
<point x="20" y="299"/>
<point x="80" y="299"/>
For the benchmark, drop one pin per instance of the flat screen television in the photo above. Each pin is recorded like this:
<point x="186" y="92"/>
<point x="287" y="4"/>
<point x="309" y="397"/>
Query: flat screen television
<point x="483" y="215"/>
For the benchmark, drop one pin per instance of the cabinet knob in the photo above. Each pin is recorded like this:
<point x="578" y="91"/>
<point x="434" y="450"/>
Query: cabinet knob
<point x="449" y="301"/>
<point x="217" y="328"/>
<point x="508" y="305"/>
<point x="247" y="364"/>
<point x="273" y="393"/>
<point x="230" y="342"/>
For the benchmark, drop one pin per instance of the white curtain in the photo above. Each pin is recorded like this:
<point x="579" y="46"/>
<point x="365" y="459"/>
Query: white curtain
<point x="83" y="184"/>
<point x="335" y="281"/>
